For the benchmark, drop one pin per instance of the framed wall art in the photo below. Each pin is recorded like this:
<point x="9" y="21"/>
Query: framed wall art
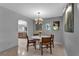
<point x="69" y="18"/>
<point x="56" y="25"/>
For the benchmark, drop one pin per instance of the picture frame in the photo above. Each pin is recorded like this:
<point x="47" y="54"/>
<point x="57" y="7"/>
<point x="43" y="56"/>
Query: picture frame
<point x="56" y="25"/>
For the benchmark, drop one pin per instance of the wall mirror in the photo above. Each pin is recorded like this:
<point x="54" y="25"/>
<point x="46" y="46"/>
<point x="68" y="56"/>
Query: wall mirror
<point x="38" y="27"/>
<point x="48" y="27"/>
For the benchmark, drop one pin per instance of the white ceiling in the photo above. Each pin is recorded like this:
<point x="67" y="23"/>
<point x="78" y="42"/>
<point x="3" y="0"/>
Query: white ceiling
<point x="47" y="10"/>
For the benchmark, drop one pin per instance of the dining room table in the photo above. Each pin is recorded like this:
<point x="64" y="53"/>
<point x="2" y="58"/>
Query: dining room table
<point x="38" y="39"/>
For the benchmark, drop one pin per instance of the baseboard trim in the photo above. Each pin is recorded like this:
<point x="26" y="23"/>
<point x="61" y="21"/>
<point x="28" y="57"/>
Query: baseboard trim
<point x="9" y="49"/>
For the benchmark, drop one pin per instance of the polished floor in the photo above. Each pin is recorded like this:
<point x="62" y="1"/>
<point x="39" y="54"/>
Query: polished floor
<point x="58" y="50"/>
<point x="9" y="52"/>
<point x="21" y="50"/>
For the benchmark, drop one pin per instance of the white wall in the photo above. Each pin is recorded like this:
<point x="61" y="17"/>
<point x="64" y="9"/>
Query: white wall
<point x="71" y="40"/>
<point x="9" y="28"/>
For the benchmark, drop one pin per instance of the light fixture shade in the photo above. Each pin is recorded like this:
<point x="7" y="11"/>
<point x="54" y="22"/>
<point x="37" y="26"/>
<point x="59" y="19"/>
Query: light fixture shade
<point x="38" y="20"/>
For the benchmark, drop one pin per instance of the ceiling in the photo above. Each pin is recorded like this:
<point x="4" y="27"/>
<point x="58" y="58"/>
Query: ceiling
<point x="47" y="10"/>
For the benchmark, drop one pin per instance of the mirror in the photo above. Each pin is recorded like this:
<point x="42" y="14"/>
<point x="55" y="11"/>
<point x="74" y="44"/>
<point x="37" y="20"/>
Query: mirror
<point x="38" y="27"/>
<point x="48" y="27"/>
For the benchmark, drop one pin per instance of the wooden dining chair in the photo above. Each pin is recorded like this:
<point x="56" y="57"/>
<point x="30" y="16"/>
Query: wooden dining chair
<point x="33" y="42"/>
<point x="52" y="40"/>
<point x="45" y="43"/>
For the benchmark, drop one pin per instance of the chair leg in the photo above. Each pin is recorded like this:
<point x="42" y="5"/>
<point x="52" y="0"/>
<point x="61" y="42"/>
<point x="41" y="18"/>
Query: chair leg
<point x="53" y="44"/>
<point x="41" y="50"/>
<point x="35" y="45"/>
<point x="50" y="49"/>
<point x="27" y="47"/>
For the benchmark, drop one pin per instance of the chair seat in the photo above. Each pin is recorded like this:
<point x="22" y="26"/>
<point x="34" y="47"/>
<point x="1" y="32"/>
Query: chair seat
<point x="44" y="43"/>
